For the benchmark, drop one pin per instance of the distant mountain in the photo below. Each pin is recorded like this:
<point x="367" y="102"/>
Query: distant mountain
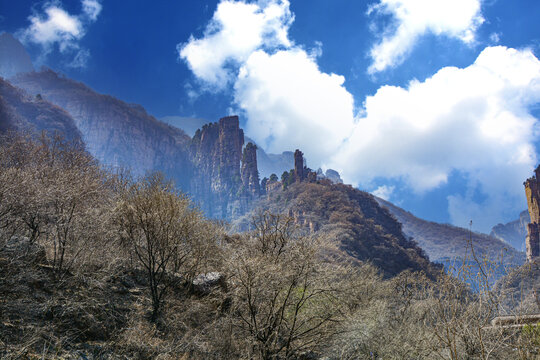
<point x="21" y="112"/>
<point x="514" y="232"/>
<point x="116" y="133"/>
<point x="13" y="57"/>
<point x="352" y="218"/>
<point x="444" y="243"/>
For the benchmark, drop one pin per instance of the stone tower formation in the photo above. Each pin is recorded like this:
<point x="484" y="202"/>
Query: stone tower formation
<point x="299" y="165"/>
<point x="226" y="179"/>
<point x="532" y="191"/>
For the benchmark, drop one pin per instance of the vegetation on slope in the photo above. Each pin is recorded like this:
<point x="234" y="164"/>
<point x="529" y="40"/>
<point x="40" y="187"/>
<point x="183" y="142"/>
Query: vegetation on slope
<point x="98" y="265"/>
<point x="351" y="218"/>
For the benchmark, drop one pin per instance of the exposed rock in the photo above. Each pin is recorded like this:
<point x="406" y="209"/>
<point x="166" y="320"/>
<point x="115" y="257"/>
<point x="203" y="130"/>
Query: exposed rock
<point x="532" y="191"/>
<point x="299" y="165"/>
<point x="205" y="283"/>
<point x="13" y="57"/>
<point x="216" y="152"/>
<point x="22" y="247"/>
<point x="330" y="174"/>
<point x="250" y="174"/>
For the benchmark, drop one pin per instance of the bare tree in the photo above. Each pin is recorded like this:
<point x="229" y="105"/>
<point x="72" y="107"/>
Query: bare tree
<point x="165" y="233"/>
<point x="288" y="299"/>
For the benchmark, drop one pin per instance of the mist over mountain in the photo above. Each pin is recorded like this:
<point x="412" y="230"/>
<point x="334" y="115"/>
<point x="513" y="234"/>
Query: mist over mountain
<point x="514" y="232"/>
<point x="118" y="134"/>
<point x="22" y="112"/>
<point x="13" y="57"/>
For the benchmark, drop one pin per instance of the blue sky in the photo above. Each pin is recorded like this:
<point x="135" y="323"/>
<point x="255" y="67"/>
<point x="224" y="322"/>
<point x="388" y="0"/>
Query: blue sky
<point x="430" y="103"/>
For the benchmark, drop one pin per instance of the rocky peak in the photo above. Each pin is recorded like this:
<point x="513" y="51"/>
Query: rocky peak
<point x="299" y="165"/>
<point x="226" y="179"/>
<point x="250" y="174"/>
<point x="532" y="191"/>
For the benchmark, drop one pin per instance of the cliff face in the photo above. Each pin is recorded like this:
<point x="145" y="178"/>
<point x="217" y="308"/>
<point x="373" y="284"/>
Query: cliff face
<point x="116" y="133"/>
<point x="514" y="232"/>
<point x="216" y="151"/>
<point x="250" y="173"/>
<point x="21" y="112"/>
<point x="532" y="191"/>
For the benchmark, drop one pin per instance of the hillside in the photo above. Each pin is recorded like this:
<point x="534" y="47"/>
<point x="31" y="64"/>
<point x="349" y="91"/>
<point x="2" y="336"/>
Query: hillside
<point x="350" y="217"/>
<point x="116" y="133"/>
<point x="443" y="242"/>
<point x="21" y="112"/>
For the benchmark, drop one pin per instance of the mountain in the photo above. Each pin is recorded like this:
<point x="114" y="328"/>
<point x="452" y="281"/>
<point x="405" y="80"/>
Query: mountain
<point x="21" y="112"/>
<point x="514" y="232"/>
<point x="274" y="163"/>
<point x="13" y="57"/>
<point x="444" y="243"/>
<point x="213" y="166"/>
<point x="116" y="133"/>
<point x="351" y="218"/>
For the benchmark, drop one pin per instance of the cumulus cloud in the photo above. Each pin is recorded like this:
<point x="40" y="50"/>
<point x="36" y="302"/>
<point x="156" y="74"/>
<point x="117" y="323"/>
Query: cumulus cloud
<point x="413" y="18"/>
<point x="473" y="120"/>
<point x="236" y="30"/>
<point x="55" y="26"/>
<point x="288" y="100"/>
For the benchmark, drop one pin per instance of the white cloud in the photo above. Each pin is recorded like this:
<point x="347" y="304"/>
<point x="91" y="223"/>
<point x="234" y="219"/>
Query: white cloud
<point x="290" y="102"/>
<point x="474" y="120"/>
<point x="91" y="8"/>
<point x="55" y="26"/>
<point x="236" y="30"/>
<point x="413" y="18"/>
<point x="384" y="192"/>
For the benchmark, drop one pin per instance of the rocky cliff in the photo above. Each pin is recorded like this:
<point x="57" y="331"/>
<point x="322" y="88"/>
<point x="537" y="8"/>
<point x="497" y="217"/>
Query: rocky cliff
<point x="532" y="191"/>
<point x="225" y="179"/>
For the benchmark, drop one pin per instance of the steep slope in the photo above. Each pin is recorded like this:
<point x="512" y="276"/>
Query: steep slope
<point x="350" y="217"/>
<point x="443" y="242"/>
<point x="514" y="232"/>
<point x="115" y="132"/>
<point x="20" y="112"/>
<point x="13" y="57"/>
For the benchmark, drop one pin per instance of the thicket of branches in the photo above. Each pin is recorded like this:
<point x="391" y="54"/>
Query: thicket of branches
<point x="96" y="264"/>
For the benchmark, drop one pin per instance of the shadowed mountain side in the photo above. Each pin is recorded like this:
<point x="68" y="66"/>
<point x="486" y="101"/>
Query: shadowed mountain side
<point x="514" y="232"/>
<point x="362" y="229"/>
<point x="443" y="242"/>
<point x="21" y="112"/>
<point x="115" y="132"/>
